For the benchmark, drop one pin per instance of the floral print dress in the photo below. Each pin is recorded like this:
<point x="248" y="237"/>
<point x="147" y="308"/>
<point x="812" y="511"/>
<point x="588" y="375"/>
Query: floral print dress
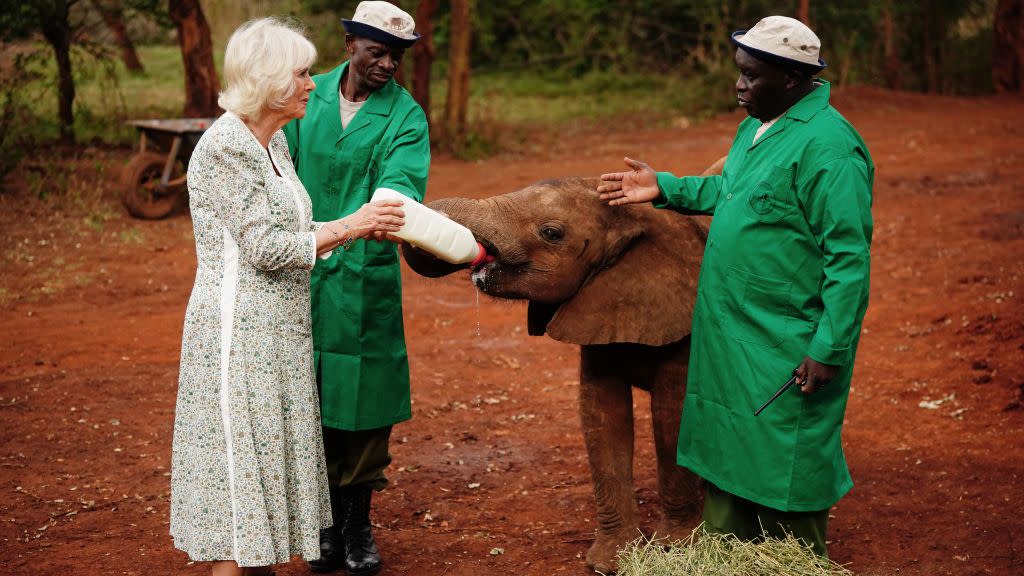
<point x="248" y="479"/>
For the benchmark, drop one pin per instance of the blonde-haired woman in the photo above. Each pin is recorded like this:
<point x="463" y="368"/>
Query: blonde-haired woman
<point x="248" y="480"/>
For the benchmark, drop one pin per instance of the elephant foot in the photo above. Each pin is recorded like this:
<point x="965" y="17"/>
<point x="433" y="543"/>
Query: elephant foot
<point x="602" y="554"/>
<point x="672" y="530"/>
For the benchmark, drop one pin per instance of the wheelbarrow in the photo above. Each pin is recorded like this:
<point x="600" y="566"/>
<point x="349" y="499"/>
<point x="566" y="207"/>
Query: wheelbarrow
<point x="153" y="180"/>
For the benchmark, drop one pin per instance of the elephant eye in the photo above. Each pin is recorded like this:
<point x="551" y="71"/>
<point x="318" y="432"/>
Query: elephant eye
<point x="551" y="234"/>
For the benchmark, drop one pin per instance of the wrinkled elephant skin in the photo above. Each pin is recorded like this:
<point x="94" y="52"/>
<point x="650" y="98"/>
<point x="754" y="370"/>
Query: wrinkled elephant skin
<point x="621" y="283"/>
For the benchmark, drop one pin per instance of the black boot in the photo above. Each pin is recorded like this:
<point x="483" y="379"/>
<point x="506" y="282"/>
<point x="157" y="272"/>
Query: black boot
<point x="361" y="555"/>
<point x="332" y="546"/>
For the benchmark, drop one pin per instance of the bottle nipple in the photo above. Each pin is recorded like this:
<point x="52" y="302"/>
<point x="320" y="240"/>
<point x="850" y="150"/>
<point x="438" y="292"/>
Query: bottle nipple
<point x="482" y="256"/>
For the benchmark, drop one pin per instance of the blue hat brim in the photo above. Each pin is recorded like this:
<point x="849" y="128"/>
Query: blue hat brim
<point x="775" y="58"/>
<point x="373" y="33"/>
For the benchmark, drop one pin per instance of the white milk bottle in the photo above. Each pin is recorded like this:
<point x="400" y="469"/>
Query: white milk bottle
<point x="434" y="232"/>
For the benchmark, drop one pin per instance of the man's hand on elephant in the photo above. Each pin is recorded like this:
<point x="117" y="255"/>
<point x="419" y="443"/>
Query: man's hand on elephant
<point x="811" y="375"/>
<point x="633" y="187"/>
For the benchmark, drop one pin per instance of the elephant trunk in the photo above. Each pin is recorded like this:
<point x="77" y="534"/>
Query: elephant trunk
<point x="461" y="210"/>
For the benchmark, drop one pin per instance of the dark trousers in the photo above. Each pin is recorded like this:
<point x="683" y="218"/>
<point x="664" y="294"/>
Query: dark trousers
<point x="357" y="458"/>
<point x="726" y="513"/>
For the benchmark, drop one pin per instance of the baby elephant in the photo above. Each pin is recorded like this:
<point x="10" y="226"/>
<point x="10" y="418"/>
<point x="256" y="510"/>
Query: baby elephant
<point x="620" y="282"/>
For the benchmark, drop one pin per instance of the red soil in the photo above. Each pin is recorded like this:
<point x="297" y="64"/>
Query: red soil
<point x="490" y="475"/>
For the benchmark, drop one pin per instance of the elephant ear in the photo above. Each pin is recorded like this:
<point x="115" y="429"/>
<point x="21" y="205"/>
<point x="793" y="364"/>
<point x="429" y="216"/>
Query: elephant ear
<point x="644" y="294"/>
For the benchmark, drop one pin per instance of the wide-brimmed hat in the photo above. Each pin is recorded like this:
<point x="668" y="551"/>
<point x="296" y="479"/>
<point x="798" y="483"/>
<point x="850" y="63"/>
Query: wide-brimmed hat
<point x="383" y="22"/>
<point x="784" y="41"/>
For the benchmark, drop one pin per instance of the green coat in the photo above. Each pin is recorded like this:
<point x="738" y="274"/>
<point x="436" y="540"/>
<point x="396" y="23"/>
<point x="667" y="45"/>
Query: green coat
<point x="358" y="337"/>
<point x="785" y="275"/>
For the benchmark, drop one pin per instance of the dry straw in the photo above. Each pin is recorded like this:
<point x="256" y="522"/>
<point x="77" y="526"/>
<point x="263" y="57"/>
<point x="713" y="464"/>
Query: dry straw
<point x="723" y="555"/>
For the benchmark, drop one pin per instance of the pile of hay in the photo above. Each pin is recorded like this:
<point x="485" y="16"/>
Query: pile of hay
<point x="724" y="555"/>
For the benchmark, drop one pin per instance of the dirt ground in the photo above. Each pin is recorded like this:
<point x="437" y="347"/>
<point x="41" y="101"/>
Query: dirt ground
<point x="490" y="475"/>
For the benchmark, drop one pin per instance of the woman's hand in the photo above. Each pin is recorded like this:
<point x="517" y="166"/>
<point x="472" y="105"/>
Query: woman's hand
<point x="375" y="220"/>
<point x="634" y="187"/>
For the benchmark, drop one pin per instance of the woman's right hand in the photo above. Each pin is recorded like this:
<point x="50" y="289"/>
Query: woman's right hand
<point x="379" y="218"/>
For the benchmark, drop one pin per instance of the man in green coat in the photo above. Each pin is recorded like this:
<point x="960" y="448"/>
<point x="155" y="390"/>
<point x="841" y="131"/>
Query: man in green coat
<point x="362" y="132"/>
<point x="783" y="290"/>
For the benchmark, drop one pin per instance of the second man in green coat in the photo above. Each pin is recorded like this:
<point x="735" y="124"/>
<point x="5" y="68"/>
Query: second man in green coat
<point x="362" y="132"/>
<point x="783" y="289"/>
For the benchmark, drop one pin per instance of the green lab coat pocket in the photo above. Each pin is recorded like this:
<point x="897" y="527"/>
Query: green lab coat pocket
<point x="373" y="166"/>
<point x="759" y="311"/>
<point x="360" y="167"/>
<point x="772" y="198"/>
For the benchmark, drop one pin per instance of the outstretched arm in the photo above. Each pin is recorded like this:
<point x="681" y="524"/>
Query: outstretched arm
<point x="634" y="187"/>
<point x="690" y="194"/>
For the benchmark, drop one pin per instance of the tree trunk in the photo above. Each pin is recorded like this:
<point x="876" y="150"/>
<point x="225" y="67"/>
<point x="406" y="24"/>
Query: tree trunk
<point x="423" y="54"/>
<point x="892" y="55"/>
<point x="53" y="20"/>
<point x="931" y="64"/>
<point x="201" y="82"/>
<point x="455" y="109"/>
<point x="113" y="16"/>
<point x="1008" y="47"/>
<point x="803" y="12"/>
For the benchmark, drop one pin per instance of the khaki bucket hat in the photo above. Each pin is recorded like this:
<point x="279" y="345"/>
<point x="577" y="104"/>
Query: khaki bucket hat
<point x="383" y="22"/>
<point x="784" y="41"/>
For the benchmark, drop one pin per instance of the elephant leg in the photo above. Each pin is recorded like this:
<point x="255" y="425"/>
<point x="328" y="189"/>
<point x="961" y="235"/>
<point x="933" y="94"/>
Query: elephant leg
<point x="606" y="413"/>
<point x="678" y="488"/>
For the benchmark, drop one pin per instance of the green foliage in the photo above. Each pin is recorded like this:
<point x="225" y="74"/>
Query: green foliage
<point x="538" y="65"/>
<point x="17" y="21"/>
<point x="940" y="43"/>
<point x="19" y="70"/>
<point x="328" y="35"/>
<point x="31" y="92"/>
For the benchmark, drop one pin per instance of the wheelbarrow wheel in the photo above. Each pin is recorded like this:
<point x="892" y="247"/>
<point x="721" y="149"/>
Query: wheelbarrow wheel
<point x="143" y="196"/>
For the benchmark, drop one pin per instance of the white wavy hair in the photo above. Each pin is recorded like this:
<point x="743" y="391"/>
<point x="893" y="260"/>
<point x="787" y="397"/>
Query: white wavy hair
<point x="260" y="63"/>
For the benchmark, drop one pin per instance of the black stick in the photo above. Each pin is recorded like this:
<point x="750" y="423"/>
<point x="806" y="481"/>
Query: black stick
<point x="777" y="394"/>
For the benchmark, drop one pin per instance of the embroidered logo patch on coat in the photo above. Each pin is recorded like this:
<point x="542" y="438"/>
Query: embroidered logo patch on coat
<point x="762" y="201"/>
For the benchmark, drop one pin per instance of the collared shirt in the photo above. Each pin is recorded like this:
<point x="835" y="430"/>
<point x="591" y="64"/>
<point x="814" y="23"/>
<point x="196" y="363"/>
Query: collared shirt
<point x="766" y="125"/>
<point x="347" y="108"/>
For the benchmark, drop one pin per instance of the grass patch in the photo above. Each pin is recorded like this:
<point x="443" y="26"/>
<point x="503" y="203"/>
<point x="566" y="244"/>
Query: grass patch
<point x="97" y="217"/>
<point x="77" y="180"/>
<point x="82" y="280"/>
<point x="555" y="98"/>
<point x="19" y="254"/>
<point x="51" y="287"/>
<point x="517" y="111"/>
<point x="724" y="555"/>
<point x="131" y="236"/>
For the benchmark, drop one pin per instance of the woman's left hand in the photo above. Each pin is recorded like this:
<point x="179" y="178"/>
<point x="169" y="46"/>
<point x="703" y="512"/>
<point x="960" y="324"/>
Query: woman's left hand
<point x="375" y="219"/>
